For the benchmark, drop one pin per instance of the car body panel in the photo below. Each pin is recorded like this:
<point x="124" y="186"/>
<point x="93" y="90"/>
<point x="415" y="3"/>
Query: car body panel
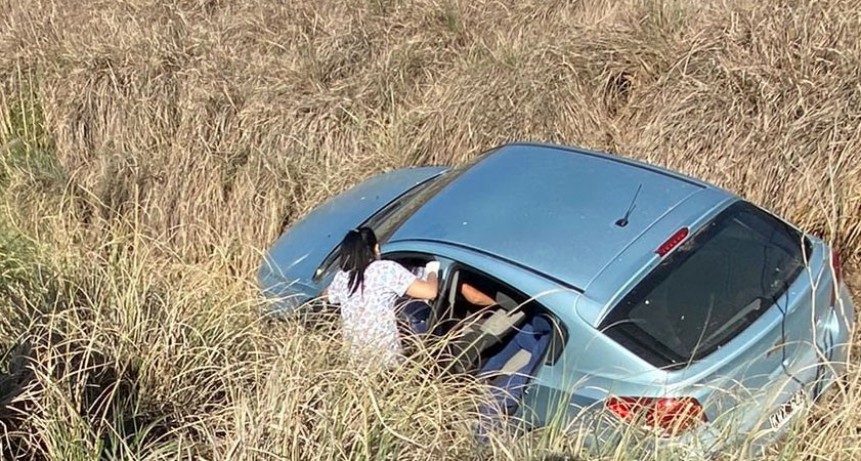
<point x="542" y="219"/>
<point x="640" y="257"/>
<point x="288" y="267"/>
<point x="799" y="345"/>
<point x="551" y="209"/>
<point x="755" y="348"/>
<point x="573" y="398"/>
<point x="530" y="284"/>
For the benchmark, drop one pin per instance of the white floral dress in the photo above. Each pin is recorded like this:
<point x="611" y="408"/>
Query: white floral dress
<point x="368" y="314"/>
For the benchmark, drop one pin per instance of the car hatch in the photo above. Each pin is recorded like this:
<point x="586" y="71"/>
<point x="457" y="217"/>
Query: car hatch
<point x="733" y="304"/>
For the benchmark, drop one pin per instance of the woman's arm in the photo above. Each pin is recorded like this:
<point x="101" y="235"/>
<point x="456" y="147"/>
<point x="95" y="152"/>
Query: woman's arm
<point x="421" y="289"/>
<point x="476" y="296"/>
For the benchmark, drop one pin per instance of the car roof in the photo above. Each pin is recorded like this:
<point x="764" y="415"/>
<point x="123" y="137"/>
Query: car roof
<point x="551" y="209"/>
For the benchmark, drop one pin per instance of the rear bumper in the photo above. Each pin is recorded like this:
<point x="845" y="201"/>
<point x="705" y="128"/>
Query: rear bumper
<point x="754" y="432"/>
<point x="747" y="427"/>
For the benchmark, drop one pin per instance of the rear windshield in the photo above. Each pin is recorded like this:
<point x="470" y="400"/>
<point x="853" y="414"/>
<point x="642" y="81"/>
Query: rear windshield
<point x="710" y="289"/>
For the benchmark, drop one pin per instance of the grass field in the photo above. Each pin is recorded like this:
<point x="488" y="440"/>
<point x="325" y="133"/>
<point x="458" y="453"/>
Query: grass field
<point x="150" y="149"/>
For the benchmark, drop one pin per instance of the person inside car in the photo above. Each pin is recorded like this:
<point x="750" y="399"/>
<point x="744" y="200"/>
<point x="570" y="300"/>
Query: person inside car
<point x="417" y="313"/>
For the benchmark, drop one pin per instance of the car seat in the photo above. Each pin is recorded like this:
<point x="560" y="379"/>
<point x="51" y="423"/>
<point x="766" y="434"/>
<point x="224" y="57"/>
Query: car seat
<point x="510" y="370"/>
<point x="485" y="334"/>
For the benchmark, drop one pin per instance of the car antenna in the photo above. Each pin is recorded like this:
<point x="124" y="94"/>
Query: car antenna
<point x="622" y="222"/>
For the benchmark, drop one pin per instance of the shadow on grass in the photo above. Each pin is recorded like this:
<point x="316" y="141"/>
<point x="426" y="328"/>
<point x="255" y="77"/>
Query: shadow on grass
<point x="102" y="395"/>
<point x="51" y="380"/>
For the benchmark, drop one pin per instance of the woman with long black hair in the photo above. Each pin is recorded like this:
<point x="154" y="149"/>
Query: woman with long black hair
<point x="367" y="289"/>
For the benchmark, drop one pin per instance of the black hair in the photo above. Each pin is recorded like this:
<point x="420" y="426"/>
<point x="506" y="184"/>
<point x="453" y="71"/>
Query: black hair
<point x="357" y="253"/>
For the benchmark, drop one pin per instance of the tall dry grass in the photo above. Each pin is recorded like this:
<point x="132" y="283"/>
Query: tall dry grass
<point x="149" y="149"/>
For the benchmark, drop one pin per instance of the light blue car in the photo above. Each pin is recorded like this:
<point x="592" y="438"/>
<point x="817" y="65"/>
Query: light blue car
<point x="633" y="302"/>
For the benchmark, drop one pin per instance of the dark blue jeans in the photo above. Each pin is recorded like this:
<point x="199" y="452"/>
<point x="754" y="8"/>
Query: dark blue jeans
<point x="416" y="312"/>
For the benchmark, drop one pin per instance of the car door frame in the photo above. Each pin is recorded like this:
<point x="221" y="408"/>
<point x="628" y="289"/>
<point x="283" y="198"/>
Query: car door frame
<point x="535" y="289"/>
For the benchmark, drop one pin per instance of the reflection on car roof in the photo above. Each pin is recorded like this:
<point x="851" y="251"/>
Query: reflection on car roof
<point x="549" y="208"/>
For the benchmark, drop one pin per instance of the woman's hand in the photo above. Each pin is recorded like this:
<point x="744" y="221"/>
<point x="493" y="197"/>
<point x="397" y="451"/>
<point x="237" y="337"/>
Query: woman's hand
<point x="432" y="267"/>
<point x="421" y="289"/>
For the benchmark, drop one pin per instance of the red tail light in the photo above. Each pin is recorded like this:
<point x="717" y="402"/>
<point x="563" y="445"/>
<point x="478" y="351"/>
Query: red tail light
<point x="672" y="242"/>
<point x="835" y="266"/>
<point x="668" y="416"/>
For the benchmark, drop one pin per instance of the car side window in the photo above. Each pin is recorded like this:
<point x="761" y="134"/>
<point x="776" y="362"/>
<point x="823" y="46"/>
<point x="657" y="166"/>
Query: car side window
<point x="509" y="312"/>
<point x="470" y="299"/>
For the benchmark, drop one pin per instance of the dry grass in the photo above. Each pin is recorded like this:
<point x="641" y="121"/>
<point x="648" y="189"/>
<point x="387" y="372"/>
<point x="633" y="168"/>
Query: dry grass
<point x="149" y="149"/>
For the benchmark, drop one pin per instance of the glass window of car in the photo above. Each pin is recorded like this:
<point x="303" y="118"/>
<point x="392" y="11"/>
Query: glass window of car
<point x="710" y="289"/>
<point x="386" y="221"/>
